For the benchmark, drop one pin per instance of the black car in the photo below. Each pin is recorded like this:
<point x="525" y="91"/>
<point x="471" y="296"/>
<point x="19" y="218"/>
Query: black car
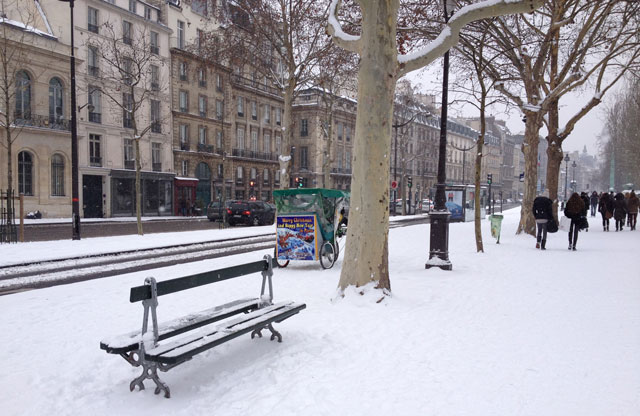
<point x="250" y="213"/>
<point x="214" y="210"/>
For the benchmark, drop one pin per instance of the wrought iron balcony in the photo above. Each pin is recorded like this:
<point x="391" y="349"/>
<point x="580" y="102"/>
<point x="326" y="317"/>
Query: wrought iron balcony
<point x="208" y="148"/>
<point x="246" y="82"/>
<point x="95" y="117"/>
<point x="157" y="167"/>
<point x="130" y="164"/>
<point x="27" y="119"/>
<point x="95" y="161"/>
<point x="250" y="154"/>
<point x="184" y="146"/>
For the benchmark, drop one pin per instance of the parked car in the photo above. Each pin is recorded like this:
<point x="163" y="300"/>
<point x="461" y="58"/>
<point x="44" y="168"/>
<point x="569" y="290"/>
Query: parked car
<point x="214" y="210"/>
<point x="250" y="213"/>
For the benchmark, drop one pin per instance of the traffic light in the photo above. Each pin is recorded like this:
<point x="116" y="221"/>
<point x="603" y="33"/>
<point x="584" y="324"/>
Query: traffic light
<point x="299" y="181"/>
<point x="252" y="183"/>
<point x="409" y="181"/>
<point x="489" y="178"/>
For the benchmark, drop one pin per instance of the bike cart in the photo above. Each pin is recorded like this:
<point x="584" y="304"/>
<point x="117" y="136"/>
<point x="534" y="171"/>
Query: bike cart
<point x="310" y="223"/>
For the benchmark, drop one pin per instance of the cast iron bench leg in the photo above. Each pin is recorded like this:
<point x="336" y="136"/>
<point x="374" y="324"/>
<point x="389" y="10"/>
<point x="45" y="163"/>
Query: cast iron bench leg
<point x="150" y="371"/>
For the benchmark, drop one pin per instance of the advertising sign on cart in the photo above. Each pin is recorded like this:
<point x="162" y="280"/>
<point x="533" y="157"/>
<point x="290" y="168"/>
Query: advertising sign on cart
<point x="296" y="237"/>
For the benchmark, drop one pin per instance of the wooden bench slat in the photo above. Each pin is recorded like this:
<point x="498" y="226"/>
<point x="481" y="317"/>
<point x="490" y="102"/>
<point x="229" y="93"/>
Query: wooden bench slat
<point x="128" y="342"/>
<point x="206" y="338"/>
<point x="143" y="292"/>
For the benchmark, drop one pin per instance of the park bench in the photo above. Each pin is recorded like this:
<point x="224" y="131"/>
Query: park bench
<point x="171" y="343"/>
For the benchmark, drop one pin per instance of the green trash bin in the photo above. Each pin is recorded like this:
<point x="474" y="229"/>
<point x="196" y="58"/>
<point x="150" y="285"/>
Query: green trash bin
<point x="496" y="225"/>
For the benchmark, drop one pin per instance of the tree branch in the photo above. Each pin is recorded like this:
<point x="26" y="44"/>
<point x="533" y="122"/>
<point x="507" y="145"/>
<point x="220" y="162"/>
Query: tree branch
<point x="340" y="38"/>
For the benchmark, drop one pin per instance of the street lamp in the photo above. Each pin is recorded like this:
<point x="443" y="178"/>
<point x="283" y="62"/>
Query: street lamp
<point x="574" y="164"/>
<point x="75" y="203"/>
<point x="439" y="217"/>
<point x="566" y="174"/>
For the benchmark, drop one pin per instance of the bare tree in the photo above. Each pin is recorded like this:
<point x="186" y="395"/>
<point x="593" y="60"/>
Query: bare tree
<point x="280" y="40"/>
<point x="366" y="255"/>
<point x="126" y="80"/>
<point x="572" y="44"/>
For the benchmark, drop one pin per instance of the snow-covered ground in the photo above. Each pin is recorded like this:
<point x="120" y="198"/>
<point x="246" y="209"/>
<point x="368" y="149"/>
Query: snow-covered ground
<point x="513" y="331"/>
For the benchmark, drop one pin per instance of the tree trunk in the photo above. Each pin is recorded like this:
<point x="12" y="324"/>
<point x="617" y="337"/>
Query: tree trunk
<point x="554" y="162"/>
<point x="367" y="254"/>
<point x="530" y="150"/>
<point x="138" y="190"/>
<point x="287" y="135"/>
<point x="478" y="173"/>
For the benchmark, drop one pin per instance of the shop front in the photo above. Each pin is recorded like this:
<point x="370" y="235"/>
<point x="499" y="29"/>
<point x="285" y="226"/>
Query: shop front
<point x="156" y="189"/>
<point x="184" y="196"/>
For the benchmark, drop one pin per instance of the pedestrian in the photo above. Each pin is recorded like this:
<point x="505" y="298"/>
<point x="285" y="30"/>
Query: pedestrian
<point x="593" y="202"/>
<point x="584" y="224"/>
<point x="606" y="210"/>
<point x="543" y="213"/>
<point x="632" y="206"/>
<point x="573" y="211"/>
<point x="619" y="210"/>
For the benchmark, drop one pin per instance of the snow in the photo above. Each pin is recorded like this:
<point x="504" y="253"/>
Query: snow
<point x="531" y="107"/>
<point x="513" y="331"/>
<point x="337" y="29"/>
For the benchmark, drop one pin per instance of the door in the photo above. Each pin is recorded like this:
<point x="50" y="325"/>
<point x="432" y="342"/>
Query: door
<point x="92" y="196"/>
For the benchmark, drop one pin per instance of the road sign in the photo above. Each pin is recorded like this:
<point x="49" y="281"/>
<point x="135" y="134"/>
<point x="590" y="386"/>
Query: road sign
<point x="394" y="184"/>
<point x="522" y="177"/>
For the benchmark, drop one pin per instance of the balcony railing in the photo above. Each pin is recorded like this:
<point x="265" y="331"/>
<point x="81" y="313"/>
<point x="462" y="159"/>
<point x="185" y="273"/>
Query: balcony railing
<point x="129" y="164"/>
<point x="208" y="148"/>
<point x="127" y="40"/>
<point x="95" y="117"/>
<point x="342" y="171"/>
<point x="156" y="127"/>
<point x="155" y="86"/>
<point x="94" y="71"/>
<point x="250" y="154"/>
<point x="92" y="28"/>
<point x="246" y="82"/>
<point x="127" y="123"/>
<point x="155" y="49"/>
<point x="33" y="120"/>
<point x="184" y="146"/>
<point x="157" y="167"/>
<point x="95" y="161"/>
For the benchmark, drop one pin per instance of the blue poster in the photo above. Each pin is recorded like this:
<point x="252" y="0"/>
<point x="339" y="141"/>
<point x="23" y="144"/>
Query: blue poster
<point x="296" y="237"/>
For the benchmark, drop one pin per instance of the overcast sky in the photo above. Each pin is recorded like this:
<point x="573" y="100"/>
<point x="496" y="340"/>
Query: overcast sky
<point x="586" y="132"/>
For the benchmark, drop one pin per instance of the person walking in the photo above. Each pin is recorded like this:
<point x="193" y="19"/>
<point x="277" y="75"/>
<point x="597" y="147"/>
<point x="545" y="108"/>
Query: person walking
<point x="632" y="206"/>
<point x="593" y="202"/>
<point x="584" y="223"/>
<point x="573" y="211"/>
<point x="543" y="213"/>
<point x="619" y="210"/>
<point x="606" y="210"/>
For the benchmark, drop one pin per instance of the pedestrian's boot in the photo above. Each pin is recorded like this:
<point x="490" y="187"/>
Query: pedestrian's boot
<point x="537" y="244"/>
<point x="544" y="242"/>
<point x="573" y="248"/>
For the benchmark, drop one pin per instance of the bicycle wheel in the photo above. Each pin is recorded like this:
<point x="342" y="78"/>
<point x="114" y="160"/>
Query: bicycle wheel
<point x="281" y="263"/>
<point x="327" y="255"/>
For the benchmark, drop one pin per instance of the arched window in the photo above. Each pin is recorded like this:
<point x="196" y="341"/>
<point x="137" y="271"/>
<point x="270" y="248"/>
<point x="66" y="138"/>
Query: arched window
<point x="25" y="173"/>
<point x="57" y="175"/>
<point x="56" y="109"/>
<point x="23" y="96"/>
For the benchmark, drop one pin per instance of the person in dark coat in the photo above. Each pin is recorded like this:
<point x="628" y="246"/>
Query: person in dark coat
<point x="605" y="208"/>
<point x="593" y="202"/>
<point x="543" y="212"/>
<point x="585" y="211"/>
<point x="574" y="210"/>
<point x="619" y="210"/>
<point x="632" y="206"/>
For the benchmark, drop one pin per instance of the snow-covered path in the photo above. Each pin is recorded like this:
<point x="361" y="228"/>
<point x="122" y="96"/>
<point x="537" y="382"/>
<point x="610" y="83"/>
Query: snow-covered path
<point x="514" y="331"/>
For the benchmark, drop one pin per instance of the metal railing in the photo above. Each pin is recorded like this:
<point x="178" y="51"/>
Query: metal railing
<point x="95" y="117"/>
<point x="95" y="161"/>
<point x="343" y="171"/>
<point x="129" y="164"/>
<point x="246" y="82"/>
<point x="45" y="122"/>
<point x="250" y="154"/>
<point x="157" y="167"/>
<point x="202" y="147"/>
<point x="184" y="146"/>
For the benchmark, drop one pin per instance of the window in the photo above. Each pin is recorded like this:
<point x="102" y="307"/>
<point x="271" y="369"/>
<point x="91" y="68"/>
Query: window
<point x="254" y="110"/>
<point x="278" y="116"/>
<point x="304" y="157"/>
<point x="199" y="38"/>
<point x="133" y="5"/>
<point x="182" y="70"/>
<point x="92" y="20"/>
<point x="347" y="133"/>
<point x="147" y="12"/>
<point x="339" y="131"/>
<point x="127" y="71"/>
<point x="199" y="6"/>
<point x="156" y="125"/>
<point x="156" y="163"/>
<point x="183" y="132"/>
<point x="92" y="61"/>
<point x="126" y="32"/>
<point x="185" y="168"/>
<point x="129" y="159"/>
<point x="254" y="174"/>
<point x="254" y="140"/>
<point x="347" y="159"/>
<point x="95" y="104"/>
<point x="180" y="39"/>
<point x="241" y="106"/>
<point x="304" y="128"/>
<point x="240" y="137"/>
<point x="56" y="108"/>
<point x="25" y="173"/>
<point x="155" y="42"/>
<point x="219" y="139"/>
<point x="220" y="170"/>
<point x="155" y="77"/>
<point x="239" y="174"/>
<point x="267" y="114"/>
<point x="23" y="96"/>
<point x="202" y="135"/>
<point x="278" y="144"/>
<point x="127" y="115"/>
<point x="95" y="151"/>
<point x="276" y="178"/>
<point x="202" y="105"/>
<point x="218" y="82"/>
<point x="202" y="77"/>
<point x="219" y="109"/>
<point x="339" y="157"/>
<point x="266" y="143"/>
<point x="265" y="177"/>
<point x="57" y="175"/>
<point x="184" y="101"/>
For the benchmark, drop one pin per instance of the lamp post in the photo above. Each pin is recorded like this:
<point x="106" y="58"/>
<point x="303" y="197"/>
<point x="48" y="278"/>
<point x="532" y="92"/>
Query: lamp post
<point x="566" y="174"/>
<point x="75" y="203"/>
<point x="575" y="185"/>
<point x="439" y="218"/>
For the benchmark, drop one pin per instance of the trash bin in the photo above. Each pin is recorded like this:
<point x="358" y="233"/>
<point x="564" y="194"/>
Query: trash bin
<point x="496" y="225"/>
